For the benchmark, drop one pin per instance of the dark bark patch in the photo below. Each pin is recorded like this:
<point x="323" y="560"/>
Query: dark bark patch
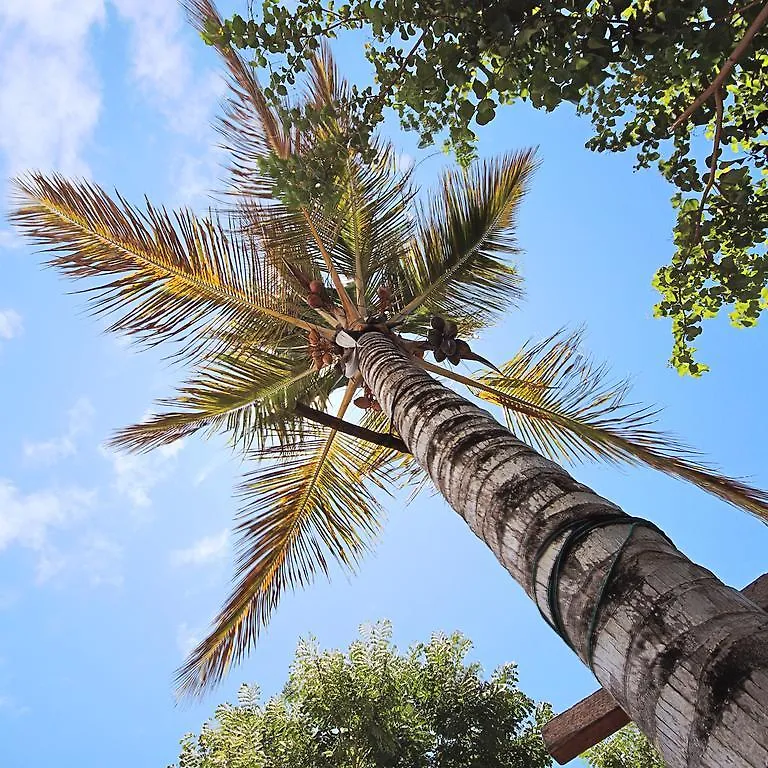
<point x="441" y="444"/>
<point x="718" y="686"/>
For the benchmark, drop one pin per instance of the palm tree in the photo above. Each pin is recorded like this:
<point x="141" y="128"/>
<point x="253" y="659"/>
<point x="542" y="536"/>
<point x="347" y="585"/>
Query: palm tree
<point x="321" y="281"/>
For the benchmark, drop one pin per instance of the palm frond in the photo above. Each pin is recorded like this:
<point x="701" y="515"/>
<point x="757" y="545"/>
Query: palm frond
<point x="168" y="276"/>
<point x="563" y="404"/>
<point x="457" y="265"/>
<point x="308" y="507"/>
<point x="376" y="226"/>
<point x="250" y="127"/>
<point x="250" y="398"/>
<point x="328" y="92"/>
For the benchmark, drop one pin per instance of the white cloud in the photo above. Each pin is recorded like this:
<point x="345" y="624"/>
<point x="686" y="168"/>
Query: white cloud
<point x="195" y="177"/>
<point x="10" y="324"/>
<point x="50" y="563"/>
<point x="27" y="519"/>
<point x="50" y="98"/>
<point x="36" y="520"/>
<point x="9" y="239"/>
<point x="209" y="549"/>
<point x="100" y="558"/>
<point x="158" y="57"/>
<point x="187" y="638"/>
<point x="161" y="64"/>
<point x="404" y="162"/>
<point x="9" y="705"/>
<point x="135" y="475"/>
<point x="92" y="556"/>
<point x="50" y="451"/>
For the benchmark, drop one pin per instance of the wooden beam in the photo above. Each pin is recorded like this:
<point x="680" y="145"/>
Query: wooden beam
<point x="599" y="716"/>
<point x="757" y="591"/>
<point x="583" y="725"/>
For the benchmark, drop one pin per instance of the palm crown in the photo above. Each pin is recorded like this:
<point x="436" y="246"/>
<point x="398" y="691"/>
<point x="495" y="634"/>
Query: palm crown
<point x="263" y="303"/>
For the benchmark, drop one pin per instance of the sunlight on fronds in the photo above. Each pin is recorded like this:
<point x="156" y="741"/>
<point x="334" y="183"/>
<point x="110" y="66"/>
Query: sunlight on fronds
<point x="170" y="277"/>
<point x="457" y="267"/>
<point x="568" y="409"/>
<point x="251" y="399"/>
<point x="307" y="507"/>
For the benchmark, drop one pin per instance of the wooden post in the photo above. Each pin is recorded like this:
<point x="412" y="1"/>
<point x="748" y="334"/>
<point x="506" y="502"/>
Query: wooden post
<point x="599" y="716"/>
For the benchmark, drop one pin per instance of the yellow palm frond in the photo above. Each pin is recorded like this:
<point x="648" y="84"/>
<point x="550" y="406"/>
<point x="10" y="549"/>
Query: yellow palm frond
<point x="251" y="398"/>
<point x="168" y="276"/>
<point x="307" y="508"/>
<point x="457" y="267"/>
<point x="560" y="402"/>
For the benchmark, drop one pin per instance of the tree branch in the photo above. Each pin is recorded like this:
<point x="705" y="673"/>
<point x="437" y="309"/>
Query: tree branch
<point x="353" y="430"/>
<point x="722" y="76"/>
<point x="712" y="165"/>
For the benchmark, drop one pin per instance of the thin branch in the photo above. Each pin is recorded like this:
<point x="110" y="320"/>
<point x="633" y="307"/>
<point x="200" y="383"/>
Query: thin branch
<point x="379" y="98"/>
<point x="730" y="63"/>
<point x="712" y="165"/>
<point x="740" y="11"/>
<point x="353" y="430"/>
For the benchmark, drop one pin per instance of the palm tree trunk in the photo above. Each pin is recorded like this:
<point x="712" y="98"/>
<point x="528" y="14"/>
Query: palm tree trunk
<point x="684" y="655"/>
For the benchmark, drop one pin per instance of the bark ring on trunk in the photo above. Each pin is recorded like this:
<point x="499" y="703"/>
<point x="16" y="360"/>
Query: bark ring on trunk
<point x="574" y="531"/>
<point x="683" y="654"/>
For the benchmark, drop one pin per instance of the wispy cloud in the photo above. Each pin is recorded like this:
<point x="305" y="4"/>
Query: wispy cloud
<point x="404" y="162"/>
<point x="11" y="324"/>
<point x="50" y="451"/>
<point x="162" y="64"/>
<point x="41" y="521"/>
<point x="9" y="705"/>
<point x="92" y="558"/>
<point x="50" y="98"/>
<point x="27" y="520"/>
<point x="209" y="549"/>
<point x="219" y="460"/>
<point x="9" y="239"/>
<point x="194" y="177"/>
<point x="135" y="475"/>
<point x="187" y="638"/>
<point x="100" y="559"/>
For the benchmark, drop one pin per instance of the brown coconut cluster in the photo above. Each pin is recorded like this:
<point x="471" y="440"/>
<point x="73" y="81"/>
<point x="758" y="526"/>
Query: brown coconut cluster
<point x="442" y="339"/>
<point x="321" y="350"/>
<point x="385" y="298"/>
<point x="317" y="296"/>
<point x="367" y="400"/>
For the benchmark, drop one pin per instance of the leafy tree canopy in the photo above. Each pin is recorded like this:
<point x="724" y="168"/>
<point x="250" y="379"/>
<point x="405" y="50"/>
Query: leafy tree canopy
<point x="632" y="66"/>
<point x="374" y="708"/>
<point x="629" y="748"/>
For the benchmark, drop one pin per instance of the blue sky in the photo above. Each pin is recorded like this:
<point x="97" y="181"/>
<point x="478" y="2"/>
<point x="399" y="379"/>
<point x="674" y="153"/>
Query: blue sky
<point x="111" y="566"/>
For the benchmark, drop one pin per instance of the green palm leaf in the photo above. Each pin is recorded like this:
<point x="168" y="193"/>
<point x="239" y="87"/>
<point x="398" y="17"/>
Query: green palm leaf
<point x="307" y="507"/>
<point x="170" y="276"/>
<point x="376" y="227"/>
<point x="563" y="404"/>
<point x="250" y="398"/>
<point x="456" y="267"/>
